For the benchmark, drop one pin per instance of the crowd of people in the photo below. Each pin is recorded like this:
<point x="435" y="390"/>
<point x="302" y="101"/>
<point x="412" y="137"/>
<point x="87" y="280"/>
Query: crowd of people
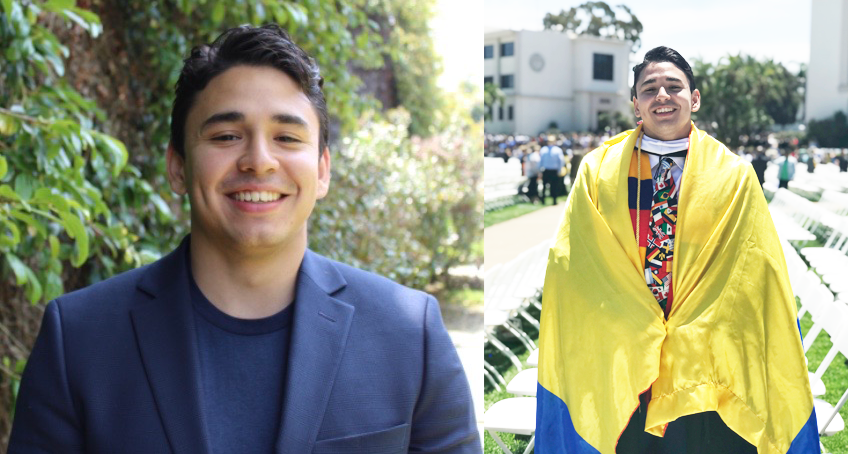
<point x="550" y="161"/>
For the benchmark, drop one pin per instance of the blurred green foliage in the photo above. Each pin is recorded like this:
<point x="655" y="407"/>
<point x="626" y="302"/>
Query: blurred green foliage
<point x="831" y="132"/>
<point x="741" y="95"/>
<point x="85" y="99"/>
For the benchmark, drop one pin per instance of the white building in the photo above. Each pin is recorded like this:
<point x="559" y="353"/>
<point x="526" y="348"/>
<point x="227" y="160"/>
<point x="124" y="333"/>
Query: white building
<point x="554" y="77"/>
<point x="827" y="75"/>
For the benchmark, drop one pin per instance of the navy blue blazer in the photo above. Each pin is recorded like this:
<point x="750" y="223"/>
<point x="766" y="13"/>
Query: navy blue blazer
<point x="371" y="369"/>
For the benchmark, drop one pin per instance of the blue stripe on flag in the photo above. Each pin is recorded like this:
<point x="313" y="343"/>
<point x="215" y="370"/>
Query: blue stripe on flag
<point x="554" y="430"/>
<point x="807" y="440"/>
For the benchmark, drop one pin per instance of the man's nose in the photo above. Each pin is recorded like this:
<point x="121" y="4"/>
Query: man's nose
<point x="662" y="94"/>
<point x="258" y="158"/>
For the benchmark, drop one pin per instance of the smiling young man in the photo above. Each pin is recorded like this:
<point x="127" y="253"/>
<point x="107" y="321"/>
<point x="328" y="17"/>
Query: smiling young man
<point x="242" y="340"/>
<point x="668" y="323"/>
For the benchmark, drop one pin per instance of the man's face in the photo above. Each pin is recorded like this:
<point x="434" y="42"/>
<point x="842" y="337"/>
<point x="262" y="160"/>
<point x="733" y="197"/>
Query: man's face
<point x="664" y="102"/>
<point x="252" y="169"/>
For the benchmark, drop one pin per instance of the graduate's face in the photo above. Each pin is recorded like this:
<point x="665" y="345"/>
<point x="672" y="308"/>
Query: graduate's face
<point x="664" y="101"/>
<point x="252" y="168"/>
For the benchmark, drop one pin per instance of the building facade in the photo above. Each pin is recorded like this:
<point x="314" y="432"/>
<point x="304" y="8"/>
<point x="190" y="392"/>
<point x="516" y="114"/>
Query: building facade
<point x="553" y="78"/>
<point x="827" y="74"/>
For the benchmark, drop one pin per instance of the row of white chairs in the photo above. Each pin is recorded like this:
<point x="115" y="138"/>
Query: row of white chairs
<point x="509" y="291"/>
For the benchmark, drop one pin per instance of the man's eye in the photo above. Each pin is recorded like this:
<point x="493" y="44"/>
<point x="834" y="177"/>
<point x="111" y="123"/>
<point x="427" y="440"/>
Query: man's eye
<point x="650" y="90"/>
<point x="225" y="137"/>
<point x="287" y="139"/>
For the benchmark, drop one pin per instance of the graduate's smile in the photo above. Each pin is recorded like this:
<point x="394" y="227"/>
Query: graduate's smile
<point x="663" y="90"/>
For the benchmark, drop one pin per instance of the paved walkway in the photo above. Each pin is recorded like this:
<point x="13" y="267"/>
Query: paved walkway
<point x="505" y="241"/>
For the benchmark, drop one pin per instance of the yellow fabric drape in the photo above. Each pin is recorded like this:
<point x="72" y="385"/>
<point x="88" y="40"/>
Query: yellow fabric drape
<point x="730" y="344"/>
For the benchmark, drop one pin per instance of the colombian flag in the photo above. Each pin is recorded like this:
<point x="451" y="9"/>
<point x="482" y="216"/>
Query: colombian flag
<point x="730" y="343"/>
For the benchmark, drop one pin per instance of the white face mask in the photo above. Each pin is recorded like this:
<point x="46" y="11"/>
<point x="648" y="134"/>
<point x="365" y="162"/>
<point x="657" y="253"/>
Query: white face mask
<point x="661" y="147"/>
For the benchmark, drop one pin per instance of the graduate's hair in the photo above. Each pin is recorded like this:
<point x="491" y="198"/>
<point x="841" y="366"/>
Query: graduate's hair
<point x="268" y="45"/>
<point x="663" y="54"/>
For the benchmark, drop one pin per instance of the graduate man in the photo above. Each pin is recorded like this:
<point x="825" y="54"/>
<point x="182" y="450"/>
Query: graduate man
<point x="242" y="340"/>
<point x="668" y="323"/>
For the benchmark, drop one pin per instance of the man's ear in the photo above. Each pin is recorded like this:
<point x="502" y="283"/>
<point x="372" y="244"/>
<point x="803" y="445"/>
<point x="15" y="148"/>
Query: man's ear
<point x="636" y="108"/>
<point x="176" y="170"/>
<point x="696" y="100"/>
<point x="323" y="174"/>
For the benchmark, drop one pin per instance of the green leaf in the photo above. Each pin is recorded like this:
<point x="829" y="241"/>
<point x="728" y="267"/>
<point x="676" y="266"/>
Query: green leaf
<point x="87" y="15"/>
<point x="33" y="290"/>
<point x="13" y="229"/>
<point x="76" y="230"/>
<point x="7" y="6"/>
<point x="29" y="221"/>
<point x="58" y="6"/>
<point x="8" y="125"/>
<point x="117" y="150"/>
<point x="24" y="186"/>
<point x="54" y="246"/>
<point x="53" y="286"/>
<point x="4" y="167"/>
<point x="7" y="192"/>
<point x="19" y="268"/>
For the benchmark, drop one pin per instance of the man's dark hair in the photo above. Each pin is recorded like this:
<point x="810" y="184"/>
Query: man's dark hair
<point x="268" y="45"/>
<point x="662" y="54"/>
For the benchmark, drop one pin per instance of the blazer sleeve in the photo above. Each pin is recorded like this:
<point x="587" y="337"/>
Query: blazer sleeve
<point x="443" y="420"/>
<point x="46" y="420"/>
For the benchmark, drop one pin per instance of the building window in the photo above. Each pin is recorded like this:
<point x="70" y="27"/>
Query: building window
<point x="507" y="81"/>
<point x="602" y="67"/>
<point x="509" y="113"/>
<point x="488" y="51"/>
<point x="500" y="112"/>
<point x="488" y="80"/>
<point x="507" y="49"/>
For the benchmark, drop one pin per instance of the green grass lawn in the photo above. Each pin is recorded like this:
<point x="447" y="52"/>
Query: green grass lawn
<point x="835" y="380"/>
<point x="491" y="218"/>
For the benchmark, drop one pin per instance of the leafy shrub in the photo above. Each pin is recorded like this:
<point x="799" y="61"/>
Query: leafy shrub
<point x="401" y="206"/>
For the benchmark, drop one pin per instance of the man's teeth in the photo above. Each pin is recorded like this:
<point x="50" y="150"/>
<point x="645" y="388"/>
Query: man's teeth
<point x="256" y="196"/>
<point x="664" y="110"/>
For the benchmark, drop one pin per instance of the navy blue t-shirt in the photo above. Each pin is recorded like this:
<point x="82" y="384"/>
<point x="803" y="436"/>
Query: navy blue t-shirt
<point x="242" y="374"/>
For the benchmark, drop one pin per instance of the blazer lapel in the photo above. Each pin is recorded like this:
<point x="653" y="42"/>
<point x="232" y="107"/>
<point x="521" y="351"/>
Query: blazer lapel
<point x="319" y="335"/>
<point x="164" y="329"/>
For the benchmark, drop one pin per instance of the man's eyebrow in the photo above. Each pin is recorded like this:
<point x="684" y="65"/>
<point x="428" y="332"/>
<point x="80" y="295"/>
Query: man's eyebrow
<point x="670" y="79"/>
<point x="223" y="117"/>
<point x="290" y="119"/>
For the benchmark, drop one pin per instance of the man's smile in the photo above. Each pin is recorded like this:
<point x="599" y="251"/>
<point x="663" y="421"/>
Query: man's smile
<point x="256" y="196"/>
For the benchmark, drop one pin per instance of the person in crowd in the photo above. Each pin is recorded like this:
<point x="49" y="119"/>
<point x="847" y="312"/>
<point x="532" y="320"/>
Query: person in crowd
<point x="760" y="164"/>
<point x="242" y="340"/>
<point x="531" y="171"/>
<point x="551" y="161"/>
<point x="668" y="323"/>
<point x="785" y="169"/>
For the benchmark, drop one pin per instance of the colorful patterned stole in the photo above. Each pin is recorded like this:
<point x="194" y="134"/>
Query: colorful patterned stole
<point x="658" y="218"/>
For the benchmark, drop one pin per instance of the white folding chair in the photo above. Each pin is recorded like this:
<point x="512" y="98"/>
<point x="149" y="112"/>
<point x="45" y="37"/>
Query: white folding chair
<point x="525" y="383"/>
<point x="829" y="420"/>
<point x="516" y="415"/>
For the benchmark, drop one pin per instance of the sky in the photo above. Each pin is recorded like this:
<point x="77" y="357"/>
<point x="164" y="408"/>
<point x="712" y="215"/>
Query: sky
<point x="778" y="29"/>
<point x="457" y="31"/>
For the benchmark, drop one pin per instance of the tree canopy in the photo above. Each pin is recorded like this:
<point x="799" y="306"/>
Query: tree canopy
<point x="597" y="19"/>
<point x="743" y="96"/>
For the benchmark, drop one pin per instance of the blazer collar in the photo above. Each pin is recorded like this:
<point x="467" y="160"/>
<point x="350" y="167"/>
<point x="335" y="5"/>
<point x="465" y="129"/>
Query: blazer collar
<point x="165" y="333"/>
<point x="164" y="329"/>
<point x="319" y="335"/>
